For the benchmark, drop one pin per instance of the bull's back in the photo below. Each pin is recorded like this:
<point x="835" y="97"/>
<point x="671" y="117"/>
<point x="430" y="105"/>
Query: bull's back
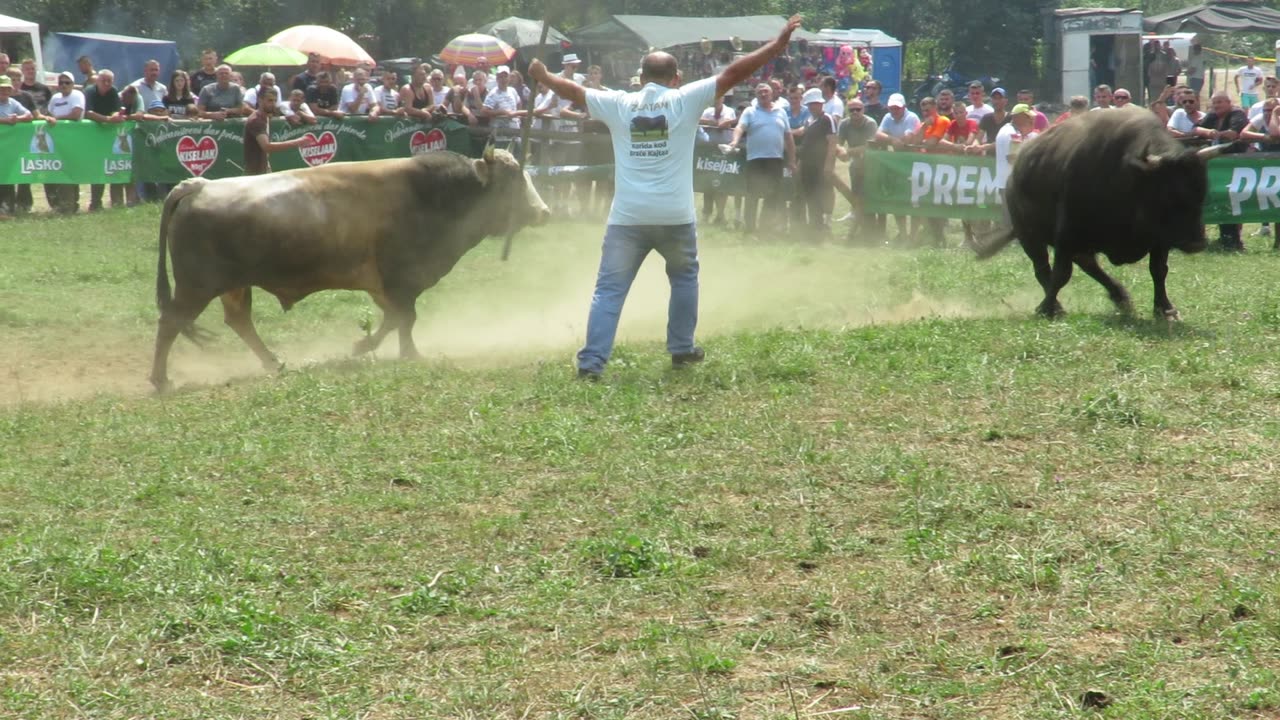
<point x="1081" y="174"/>
<point x="316" y="228"/>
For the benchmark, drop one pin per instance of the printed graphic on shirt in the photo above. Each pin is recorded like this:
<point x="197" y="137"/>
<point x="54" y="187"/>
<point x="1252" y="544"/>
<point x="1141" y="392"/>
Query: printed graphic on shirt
<point x="649" y="129"/>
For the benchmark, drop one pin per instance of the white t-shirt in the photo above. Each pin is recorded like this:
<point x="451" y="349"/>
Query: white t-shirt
<point x="834" y="108"/>
<point x="976" y="113"/>
<point x="714" y="134"/>
<point x="60" y="105"/>
<point x="503" y="99"/>
<point x="653" y="131"/>
<point x="546" y="102"/>
<point x="282" y="103"/>
<point x="1182" y="122"/>
<point x="387" y="98"/>
<point x="348" y="100"/>
<point x="1256" y="109"/>
<point x="1004" y="147"/>
<point x="1249" y="77"/>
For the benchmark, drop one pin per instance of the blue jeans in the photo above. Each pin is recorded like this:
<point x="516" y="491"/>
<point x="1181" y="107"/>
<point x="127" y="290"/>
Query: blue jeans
<point x="625" y="248"/>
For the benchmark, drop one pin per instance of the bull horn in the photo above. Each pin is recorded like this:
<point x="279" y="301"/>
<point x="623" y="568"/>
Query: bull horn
<point x="1208" y="153"/>
<point x="488" y="152"/>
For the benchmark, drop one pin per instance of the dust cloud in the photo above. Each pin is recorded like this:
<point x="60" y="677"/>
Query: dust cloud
<point x="534" y="309"/>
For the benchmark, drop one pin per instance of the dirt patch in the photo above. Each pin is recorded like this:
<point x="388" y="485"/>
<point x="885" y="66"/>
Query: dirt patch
<point x="508" y="327"/>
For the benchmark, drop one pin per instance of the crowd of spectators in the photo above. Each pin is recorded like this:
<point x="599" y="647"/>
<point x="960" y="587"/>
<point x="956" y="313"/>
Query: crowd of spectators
<point x="797" y="120"/>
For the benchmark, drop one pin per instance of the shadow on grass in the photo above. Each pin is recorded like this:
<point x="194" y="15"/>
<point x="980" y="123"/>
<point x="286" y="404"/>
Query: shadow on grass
<point x="1152" y="328"/>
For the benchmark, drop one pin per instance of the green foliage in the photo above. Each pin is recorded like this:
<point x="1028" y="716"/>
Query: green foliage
<point x="626" y="555"/>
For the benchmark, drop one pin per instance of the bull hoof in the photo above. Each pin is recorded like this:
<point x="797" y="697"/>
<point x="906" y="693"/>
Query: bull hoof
<point x="1169" y="314"/>
<point x="162" y="385"/>
<point x="364" y="345"/>
<point x="1124" y="306"/>
<point x="1050" y="311"/>
<point x="410" y="355"/>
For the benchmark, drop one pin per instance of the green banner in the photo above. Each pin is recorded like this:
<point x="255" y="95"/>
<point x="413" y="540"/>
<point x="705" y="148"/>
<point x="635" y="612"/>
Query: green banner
<point x="946" y="186"/>
<point x="172" y="152"/>
<point x="1242" y="188"/>
<point x="718" y="172"/>
<point x="70" y="152"/>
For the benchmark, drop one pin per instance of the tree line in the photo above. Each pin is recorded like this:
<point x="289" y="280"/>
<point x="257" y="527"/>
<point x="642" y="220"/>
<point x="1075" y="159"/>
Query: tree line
<point x="999" y="37"/>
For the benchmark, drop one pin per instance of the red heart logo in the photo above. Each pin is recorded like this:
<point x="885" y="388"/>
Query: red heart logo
<point x="197" y="156"/>
<point x="421" y="142"/>
<point x="318" y="150"/>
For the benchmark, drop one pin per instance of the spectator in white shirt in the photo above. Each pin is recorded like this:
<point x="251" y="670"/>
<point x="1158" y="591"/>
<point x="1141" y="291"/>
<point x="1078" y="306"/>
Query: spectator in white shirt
<point x="357" y="97"/>
<point x="388" y="97"/>
<point x="502" y="104"/>
<point x="831" y="103"/>
<point x="67" y="103"/>
<point x="977" y="109"/>
<point x="298" y="112"/>
<point x="1183" y="122"/>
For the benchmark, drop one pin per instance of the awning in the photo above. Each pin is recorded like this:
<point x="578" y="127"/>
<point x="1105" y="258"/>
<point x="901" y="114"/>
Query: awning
<point x="1221" y="16"/>
<point x="645" y="31"/>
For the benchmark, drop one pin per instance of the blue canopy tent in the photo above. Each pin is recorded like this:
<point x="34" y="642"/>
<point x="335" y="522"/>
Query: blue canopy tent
<point x="121" y="54"/>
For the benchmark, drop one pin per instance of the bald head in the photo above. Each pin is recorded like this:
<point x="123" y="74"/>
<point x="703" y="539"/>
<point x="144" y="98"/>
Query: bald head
<point x="658" y="67"/>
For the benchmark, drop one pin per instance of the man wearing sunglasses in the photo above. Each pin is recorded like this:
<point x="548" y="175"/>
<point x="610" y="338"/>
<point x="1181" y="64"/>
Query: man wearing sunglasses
<point x="1182" y="123"/>
<point x="856" y="130"/>
<point x="66" y="103"/>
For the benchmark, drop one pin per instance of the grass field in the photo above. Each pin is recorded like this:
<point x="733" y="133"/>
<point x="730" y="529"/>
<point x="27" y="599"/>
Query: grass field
<point x="890" y="492"/>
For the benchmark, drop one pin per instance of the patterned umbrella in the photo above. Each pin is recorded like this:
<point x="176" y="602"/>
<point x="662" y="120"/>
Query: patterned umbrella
<point x="467" y="49"/>
<point x="330" y="44"/>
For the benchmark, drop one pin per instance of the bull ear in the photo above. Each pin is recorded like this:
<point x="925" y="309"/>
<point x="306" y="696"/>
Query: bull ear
<point x="483" y="169"/>
<point x="1150" y="163"/>
<point x="488" y="152"/>
<point x="1208" y="153"/>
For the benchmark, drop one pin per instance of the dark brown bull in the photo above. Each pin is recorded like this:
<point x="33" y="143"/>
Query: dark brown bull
<point x="392" y="228"/>
<point x="1112" y="182"/>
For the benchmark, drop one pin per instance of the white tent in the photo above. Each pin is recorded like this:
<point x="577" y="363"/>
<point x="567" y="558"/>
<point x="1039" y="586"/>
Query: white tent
<point x="14" y="25"/>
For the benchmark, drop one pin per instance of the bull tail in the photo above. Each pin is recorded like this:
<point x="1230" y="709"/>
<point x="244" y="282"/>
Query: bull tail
<point x="164" y="293"/>
<point x="992" y="243"/>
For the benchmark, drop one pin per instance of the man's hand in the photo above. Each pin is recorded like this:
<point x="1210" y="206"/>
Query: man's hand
<point x="793" y="23"/>
<point x="50" y="120"/>
<point x="538" y="71"/>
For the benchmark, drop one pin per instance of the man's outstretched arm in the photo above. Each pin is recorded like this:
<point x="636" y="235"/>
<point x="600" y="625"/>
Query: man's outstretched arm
<point x="563" y="87"/>
<point x="745" y="66"/>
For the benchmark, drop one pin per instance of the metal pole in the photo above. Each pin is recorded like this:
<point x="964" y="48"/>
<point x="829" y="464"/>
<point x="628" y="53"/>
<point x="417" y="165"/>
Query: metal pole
<point x="527" y="121"/>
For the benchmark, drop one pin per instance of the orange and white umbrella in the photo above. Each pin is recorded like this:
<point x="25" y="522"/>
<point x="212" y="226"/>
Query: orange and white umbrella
<point x="468" y="49"/>
<point x="328" y="43"/>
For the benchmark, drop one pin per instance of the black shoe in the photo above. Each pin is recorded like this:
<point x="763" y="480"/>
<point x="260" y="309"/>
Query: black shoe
<point x="680" y="360"/>
<point x="588" y="375"/>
